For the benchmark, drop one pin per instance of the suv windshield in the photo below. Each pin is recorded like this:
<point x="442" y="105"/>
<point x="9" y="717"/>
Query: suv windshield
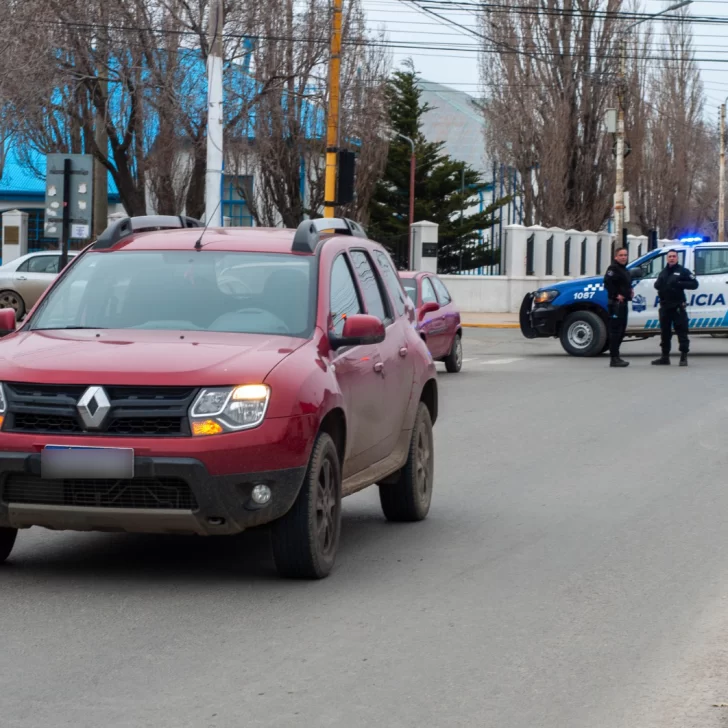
<point x="252" y="293"/>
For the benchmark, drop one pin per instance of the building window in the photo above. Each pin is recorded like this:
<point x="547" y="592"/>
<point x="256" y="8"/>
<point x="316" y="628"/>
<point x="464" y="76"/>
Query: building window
<point x="236" y="190"/>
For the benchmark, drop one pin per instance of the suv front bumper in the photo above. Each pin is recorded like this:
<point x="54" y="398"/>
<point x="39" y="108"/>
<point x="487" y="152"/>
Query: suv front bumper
<point x="166" y="495"/>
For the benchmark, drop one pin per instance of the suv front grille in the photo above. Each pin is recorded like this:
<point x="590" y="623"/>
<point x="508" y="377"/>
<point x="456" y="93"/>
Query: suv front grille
<point x="135" y="411"/>
<point x="138" y="493"/>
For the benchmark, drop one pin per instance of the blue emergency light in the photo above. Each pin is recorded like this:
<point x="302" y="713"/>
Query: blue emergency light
<point x="695" y="239"/>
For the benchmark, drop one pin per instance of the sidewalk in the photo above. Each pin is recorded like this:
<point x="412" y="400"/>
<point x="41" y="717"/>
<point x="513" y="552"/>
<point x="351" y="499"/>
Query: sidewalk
<point x="490" y="320"/>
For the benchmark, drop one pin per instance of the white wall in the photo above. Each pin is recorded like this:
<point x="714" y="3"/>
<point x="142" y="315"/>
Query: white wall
<point x="504" y="294"/>
<point x="493" y="294"/>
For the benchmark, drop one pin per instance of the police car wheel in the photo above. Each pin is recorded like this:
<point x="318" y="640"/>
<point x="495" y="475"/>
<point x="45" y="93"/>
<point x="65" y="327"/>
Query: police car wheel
<point x="583" y="334"/>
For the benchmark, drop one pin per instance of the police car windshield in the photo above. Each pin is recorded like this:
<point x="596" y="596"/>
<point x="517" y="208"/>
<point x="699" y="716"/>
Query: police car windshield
<point x="645" y="258"/>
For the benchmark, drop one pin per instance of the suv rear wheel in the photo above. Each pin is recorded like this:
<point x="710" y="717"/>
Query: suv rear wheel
<point x="409" y="498"/>
<point x="7" y="541"/>
<point x="306" y="539"/>
<point x="583" y="333"/>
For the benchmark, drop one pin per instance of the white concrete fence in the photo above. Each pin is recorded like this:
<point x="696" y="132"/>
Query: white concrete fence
<point x="535" y="257"/>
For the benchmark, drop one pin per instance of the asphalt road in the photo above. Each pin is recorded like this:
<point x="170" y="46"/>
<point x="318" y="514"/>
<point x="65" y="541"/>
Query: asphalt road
<point x="573" y="573"/>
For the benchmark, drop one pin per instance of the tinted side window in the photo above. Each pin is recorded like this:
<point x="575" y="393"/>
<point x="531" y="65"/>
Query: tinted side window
<point x="392" y="280"/>
<point x="660" y="261"/>
<point x="442" y="293"/>
<point x="369" y="285"/>
<point x="711" y="262"/>
<point x="428" y="292"/>
<point x="23" y="267"/>
<point x="42" y="264"/>
<point x="344" y="297"/>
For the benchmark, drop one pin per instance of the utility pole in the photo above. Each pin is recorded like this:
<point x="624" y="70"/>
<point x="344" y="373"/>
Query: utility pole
<point x="721" y="186"/>
<point x="619" y="192"/>
<point x="101" y="137"/>
<point x="213" y="174"/>
<point x="332" y="122"/>
<point x="619" y="230"/>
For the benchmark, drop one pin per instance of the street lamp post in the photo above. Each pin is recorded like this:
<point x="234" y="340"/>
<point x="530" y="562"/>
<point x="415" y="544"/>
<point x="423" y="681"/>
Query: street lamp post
<point x="619" y="191"/>
<point x="412" y="176"/>
<point x="721" y="185"/>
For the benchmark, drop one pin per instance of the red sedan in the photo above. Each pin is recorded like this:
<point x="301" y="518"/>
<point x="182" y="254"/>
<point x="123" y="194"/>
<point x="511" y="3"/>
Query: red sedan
<point x="438" y="318"/>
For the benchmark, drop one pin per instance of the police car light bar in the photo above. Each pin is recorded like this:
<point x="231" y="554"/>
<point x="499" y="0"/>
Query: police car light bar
<point x="695" y="239"/>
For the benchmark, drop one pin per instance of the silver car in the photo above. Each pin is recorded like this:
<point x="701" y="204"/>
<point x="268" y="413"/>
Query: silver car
<point x="24" y="280"/>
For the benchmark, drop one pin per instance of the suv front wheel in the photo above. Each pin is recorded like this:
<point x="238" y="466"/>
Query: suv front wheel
<point x="306" y="539"/>
<point x="7" y="541"/>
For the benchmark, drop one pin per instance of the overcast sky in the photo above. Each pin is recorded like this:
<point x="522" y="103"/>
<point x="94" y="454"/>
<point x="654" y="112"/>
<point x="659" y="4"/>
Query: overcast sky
<point x="458" y="65"/>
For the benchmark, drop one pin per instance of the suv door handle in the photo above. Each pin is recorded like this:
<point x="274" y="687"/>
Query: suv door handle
<point x="403" y="351"/>
<point x="379" y="366"/>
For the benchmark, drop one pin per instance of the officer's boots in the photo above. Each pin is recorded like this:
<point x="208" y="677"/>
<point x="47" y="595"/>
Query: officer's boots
<point x="617" y="361"/>
<point x="662" y="361"/>
<point x="683" y="360"/>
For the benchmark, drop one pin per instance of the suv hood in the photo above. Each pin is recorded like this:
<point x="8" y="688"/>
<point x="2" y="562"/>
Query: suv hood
<point x="151" y="358"/>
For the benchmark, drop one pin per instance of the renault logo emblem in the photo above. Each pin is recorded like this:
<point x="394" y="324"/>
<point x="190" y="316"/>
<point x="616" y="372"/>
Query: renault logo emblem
<point x="93" y="407"/>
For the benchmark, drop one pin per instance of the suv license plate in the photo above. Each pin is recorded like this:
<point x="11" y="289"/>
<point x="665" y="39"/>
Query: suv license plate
<point x="59" y="462"/>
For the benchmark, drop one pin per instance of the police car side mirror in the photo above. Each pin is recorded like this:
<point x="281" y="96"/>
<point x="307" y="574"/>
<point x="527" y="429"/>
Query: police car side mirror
<point x="642" y="272"/>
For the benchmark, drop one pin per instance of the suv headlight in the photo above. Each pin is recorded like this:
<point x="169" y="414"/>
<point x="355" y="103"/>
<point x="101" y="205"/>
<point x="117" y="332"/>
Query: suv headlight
<point x="545" y="296"/>
<point x="229" y="409"/>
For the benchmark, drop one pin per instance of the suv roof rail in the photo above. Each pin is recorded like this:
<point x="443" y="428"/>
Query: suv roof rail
<point x="123" y="228"/>
<point x="309" y="232"/>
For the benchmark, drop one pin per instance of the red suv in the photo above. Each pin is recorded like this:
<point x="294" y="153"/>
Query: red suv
<point x="208" y="381"/>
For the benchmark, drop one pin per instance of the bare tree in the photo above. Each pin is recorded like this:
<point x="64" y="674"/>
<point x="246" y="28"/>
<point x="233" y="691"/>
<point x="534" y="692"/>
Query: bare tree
<point x="547" y="69"/>
<point x="281" y="140"/>
<point x="674" y="192"/>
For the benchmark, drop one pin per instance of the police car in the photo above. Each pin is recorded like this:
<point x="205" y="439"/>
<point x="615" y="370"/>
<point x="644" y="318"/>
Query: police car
<point x="575" y="311"/>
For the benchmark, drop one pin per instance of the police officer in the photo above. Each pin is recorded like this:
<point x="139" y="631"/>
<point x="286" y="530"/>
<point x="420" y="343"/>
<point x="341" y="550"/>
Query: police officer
<point x="671" y="285"/>
<point x="618" y="284"/>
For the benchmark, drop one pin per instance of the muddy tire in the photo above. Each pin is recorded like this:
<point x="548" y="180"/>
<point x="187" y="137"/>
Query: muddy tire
<point x="306" y="539"/>
<point x="409" y="497"/>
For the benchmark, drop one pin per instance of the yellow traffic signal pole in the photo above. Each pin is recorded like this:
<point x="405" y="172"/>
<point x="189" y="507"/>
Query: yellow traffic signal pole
<point x="332" y="122"/>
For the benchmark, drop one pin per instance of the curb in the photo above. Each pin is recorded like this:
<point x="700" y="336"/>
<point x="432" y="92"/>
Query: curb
<point x="490" y="326"/>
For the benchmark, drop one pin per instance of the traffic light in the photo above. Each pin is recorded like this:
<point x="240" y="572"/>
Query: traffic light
<point x="345" y="178"/>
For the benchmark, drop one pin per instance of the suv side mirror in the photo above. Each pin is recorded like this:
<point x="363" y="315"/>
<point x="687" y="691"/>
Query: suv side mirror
<point x="359" y="330"/>
<point x="7" y="321"/>
<point x="429" y="307"/>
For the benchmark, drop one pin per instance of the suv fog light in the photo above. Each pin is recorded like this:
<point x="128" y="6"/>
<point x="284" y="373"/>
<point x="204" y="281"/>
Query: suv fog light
<point x="261" y="494"/>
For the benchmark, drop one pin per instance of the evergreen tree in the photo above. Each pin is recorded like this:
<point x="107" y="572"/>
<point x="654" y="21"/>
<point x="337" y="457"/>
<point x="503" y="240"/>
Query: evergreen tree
<point x="439" y="184"/>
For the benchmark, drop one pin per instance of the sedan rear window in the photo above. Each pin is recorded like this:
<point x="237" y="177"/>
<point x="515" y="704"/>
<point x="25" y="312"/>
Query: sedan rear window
<point x="410" y="288"/>
<point x="252" y="293"/>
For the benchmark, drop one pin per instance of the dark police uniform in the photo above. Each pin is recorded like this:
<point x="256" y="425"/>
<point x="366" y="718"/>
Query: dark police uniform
<point x="617" y="282"/>
<point x="671" y="285"/>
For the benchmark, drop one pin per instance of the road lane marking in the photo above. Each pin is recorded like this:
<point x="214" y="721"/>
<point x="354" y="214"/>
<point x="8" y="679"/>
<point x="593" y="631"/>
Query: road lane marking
<point x="500" y="361"/>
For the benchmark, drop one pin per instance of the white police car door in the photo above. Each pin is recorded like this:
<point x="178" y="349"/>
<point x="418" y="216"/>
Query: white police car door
<point x="707" y="305"/>
<point x="643" y="312"/>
